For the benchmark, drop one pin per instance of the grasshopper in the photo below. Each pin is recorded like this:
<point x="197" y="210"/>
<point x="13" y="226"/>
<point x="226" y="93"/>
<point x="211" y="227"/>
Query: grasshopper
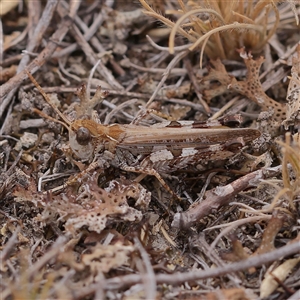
<point x="158" y="149"/>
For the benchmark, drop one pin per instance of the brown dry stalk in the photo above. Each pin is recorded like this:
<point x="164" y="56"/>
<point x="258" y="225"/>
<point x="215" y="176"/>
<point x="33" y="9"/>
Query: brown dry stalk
<point x="181" y="277"/>
<point x="221" y="196"/>
<point x="11" y="85"/>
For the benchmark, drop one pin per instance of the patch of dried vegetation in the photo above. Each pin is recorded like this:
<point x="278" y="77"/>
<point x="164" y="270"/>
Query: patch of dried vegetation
<point x="70" y="230"/>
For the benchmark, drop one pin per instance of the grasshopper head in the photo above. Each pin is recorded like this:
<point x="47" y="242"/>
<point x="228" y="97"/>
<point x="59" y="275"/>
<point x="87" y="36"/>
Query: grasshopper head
<point x="83" y="133"/>
<point x="82" y="138"/>
<point x="81" y="143"/>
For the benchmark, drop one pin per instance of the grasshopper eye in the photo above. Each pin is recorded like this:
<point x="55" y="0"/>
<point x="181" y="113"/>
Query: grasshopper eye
<point x="83" y="136"/>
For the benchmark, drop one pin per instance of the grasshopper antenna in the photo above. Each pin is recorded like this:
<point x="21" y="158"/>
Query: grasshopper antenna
<point x="67" y="123"/>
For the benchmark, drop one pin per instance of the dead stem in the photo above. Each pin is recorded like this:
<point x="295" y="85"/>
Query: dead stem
<point x="149" y="277"/>
<point x="9" y="88"/>
<point x="109" y="203"/>
<point x="216" y="199"/>
<point x="181" y="277"/>
<point x="174" y="61"/>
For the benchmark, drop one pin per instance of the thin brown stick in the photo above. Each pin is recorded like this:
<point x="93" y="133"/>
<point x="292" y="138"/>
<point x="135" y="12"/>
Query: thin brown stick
<point x="173" y="62"/>
<point x="12" y="85"/>
<point x="38" y="34"/>
<point x="40" y="28"/>
<point x="1" y="43"/>
<point x="215" y="258"/>
<point x="181" y="277"/>
<point x="90" y="35"/>
<point x="220" y="196"/>
<point x="174" y="71"/>
<point x="47" y="99"/>
<point x="34" y="12"/>
<point x="9" y="245"/>
<point x="90" y="54"/>
<point x="149" y="277"/>
<point x="11" y="60"/>
<point x="188" y="66"/>
<point x="61" y="89"/>
<point x="56" y="248"/>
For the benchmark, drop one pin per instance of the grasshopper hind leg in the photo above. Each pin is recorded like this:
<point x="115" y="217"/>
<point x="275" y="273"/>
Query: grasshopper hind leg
<point x="152" y="172"/>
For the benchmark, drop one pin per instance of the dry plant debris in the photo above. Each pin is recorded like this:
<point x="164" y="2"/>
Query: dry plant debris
<point x="81" y="218"/>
